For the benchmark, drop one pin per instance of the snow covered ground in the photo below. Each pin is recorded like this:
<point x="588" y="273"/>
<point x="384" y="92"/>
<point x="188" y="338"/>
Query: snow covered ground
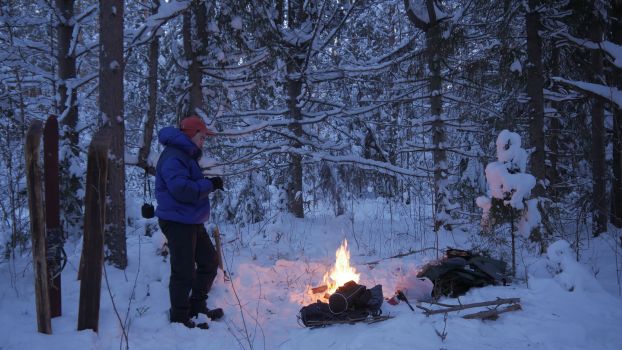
<point x="274" y="263"/>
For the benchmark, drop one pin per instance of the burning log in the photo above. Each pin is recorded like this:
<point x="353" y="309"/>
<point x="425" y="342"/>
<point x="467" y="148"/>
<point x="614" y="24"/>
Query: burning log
<point x="319" y="289"/>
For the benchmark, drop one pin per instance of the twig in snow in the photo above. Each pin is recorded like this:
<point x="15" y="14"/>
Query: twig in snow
<point x="401" y="255"/>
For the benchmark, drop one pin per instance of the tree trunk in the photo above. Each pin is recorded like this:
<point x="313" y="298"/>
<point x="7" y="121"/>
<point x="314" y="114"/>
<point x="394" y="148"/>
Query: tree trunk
<point x="154" y="53"/>
<point x="294" y="185"/>
<point x="439" y="155"/>
<point x="599" y="196"/>
<point x="111" y="107"/>
<point x="535" y="85"/>
<point x="195" y="39"/>
<point x="68" y="113"/>
<point x="297" y="17"/>
<point x="554" y="134"/>
<point x="616" y="184"/>
<point x="434" y="45"/>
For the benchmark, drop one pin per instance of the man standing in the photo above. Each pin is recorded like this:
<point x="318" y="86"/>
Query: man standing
<point x="182" y="193"/>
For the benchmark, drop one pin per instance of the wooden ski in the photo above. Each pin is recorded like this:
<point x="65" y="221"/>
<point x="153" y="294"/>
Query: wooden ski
<point x="37" y="225"/>
<point x="53" y="233"/>
<point x="93" y="247"/>
<point x="366" y="319"/>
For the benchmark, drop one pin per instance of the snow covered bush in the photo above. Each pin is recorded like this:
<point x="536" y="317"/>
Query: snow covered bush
<point x="509" y="188"/>
<point x="560" y="264"/>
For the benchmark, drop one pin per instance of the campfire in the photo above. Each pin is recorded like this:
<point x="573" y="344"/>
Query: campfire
<point x="343" y="299"/>
<point x="339" y="274"/>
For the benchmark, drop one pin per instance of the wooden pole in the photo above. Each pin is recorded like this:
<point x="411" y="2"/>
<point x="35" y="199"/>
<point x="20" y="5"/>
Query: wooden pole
<point x="37" y="225"/>
<point x="93" y="247"/>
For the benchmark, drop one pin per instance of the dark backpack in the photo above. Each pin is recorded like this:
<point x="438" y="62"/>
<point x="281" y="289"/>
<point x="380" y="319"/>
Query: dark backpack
<point x="462" y="270"/>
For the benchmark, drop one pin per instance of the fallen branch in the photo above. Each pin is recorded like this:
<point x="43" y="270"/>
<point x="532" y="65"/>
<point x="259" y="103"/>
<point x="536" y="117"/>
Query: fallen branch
<point x="401" y="255"/>
<point x="492" y="314"/>
<point x="497" y="302"/>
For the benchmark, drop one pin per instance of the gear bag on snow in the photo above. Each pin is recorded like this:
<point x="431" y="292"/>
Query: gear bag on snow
<point x="461" y="270"/>
<point x="351" y="302"/>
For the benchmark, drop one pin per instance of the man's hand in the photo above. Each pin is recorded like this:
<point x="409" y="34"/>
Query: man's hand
<point x="217" y="182"/>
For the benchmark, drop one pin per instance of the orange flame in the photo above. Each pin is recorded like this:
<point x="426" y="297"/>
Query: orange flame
<point x="342" y="272"/>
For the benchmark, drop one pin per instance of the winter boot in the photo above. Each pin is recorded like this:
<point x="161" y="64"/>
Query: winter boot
<point x="198" y="307"/>
<point x="186" y="321"/>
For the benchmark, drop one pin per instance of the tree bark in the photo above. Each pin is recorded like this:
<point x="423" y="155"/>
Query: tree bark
<point x="297" y="17"/>
<point x="535" y="85"/>
<point x="68" y="113"/>
<point x="554" y="134"/>
<point x="599" y="196"/>
<point x="434" y="45"/>
<point x="154" y="53"/>
<point x="616" y="184"/>
<point x="111" y="107"/>
<point x="439" y="155"/>
<point x="294" y="186"/>
<point x="194" y="40"/>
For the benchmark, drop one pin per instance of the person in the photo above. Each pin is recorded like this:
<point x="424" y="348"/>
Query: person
<point x="182" y="195"/>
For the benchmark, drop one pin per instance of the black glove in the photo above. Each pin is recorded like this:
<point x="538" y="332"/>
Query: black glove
<point x="217" y="182"/>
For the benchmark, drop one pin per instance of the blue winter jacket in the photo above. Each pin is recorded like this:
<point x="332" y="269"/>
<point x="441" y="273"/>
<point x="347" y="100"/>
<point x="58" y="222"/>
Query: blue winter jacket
<point x="181" y="190"/>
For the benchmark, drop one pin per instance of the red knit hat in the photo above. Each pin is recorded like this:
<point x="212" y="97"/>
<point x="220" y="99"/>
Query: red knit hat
<point x="192" y="125"/>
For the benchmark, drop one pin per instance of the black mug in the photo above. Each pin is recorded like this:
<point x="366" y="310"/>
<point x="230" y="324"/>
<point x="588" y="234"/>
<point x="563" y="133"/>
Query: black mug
<point x="147" y="211"/>
<point x="345" y="296"/>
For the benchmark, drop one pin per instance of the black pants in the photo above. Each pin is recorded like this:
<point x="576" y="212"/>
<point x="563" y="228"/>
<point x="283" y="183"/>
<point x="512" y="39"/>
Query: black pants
<point x="194" y="265"/>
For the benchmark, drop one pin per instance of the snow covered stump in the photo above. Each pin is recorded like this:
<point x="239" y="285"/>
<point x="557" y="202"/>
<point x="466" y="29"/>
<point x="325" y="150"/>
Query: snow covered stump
<point x="509" y="188"/>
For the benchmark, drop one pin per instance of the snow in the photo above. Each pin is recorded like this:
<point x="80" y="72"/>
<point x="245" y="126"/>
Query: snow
<point x="419" y="9"/>
<point x="508" y="181"/>
<point x="532" y="218"/>
<point x="609" y="92"/>
<point x="212" y="26"/>
<point x="614" y="51"/>
<point x="516" y="67"/>
<point x="236" y="23"/>
<point x="114" y="65"/>
<point x="273" y="264"/>
<point x="506" y="177"/>
<point x="566" y="271"/>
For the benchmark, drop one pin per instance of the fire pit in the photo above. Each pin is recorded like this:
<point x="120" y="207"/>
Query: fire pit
<point x="348" y="302"/>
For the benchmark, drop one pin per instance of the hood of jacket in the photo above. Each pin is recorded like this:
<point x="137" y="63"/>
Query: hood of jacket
<point x="175" y="138"/>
